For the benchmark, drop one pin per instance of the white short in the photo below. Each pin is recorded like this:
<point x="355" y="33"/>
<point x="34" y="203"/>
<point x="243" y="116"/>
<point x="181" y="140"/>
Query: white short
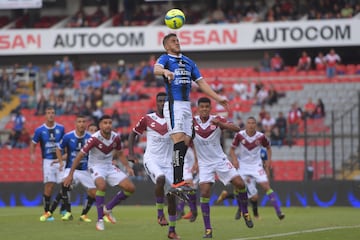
<point x="51" y="172"/>
<point x="179" y="117"/>
<point x="154" y="171"/>
<point x="188" y="164"/>
<point x="250" y="183"/>
<point x="254" y="171"/>
<point x="112" y="174"/>
<point x="222" y="167"/>
<point x="81" y="176"/>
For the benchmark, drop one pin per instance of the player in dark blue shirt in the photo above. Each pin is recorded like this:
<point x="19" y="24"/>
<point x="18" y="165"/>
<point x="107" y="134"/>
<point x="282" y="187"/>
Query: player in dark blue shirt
<point x="48" y="135"/>
<point x="179" y="73"/>
<point x="71" y="144"/>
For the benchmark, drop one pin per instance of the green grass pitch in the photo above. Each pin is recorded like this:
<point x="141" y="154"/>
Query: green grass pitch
<point x="139" y="223"/>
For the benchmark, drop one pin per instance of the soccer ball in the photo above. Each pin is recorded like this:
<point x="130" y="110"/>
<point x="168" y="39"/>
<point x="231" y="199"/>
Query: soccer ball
<point x="174" y="18"/>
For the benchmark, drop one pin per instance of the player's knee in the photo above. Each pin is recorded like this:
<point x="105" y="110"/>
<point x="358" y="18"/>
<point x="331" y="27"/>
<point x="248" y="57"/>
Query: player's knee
<point x="160" y="181"/>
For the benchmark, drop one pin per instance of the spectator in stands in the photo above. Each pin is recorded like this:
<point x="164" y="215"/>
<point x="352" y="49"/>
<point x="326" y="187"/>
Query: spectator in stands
<point x="309" y="171"/>
<point x="41" y="105"/>
<point x="121" y="119"/>
<point x="66" y="64"/>
<point x="273" y="95"/>
<point x="281" y="125"/>
<point x="67" y="78"/>
<point x="309" y="109"/>
<point x="114" y="86"/>
<point x="240" y="90"/>
<point x="121" y="68"/>
<point x="268" y="123"/>
<point x="217" y="86"/>
<point x="79" y="20"/>
<point x="97" y="17"/>
<point x="320" y="109"/>
<point x="265" y="63"/>
<point x="304" y="62"/>
<point x="332" y="60"/>
<point x="277" y="63"/>
<point x="94" y="69"/>
<point x="18" y="121"/>
<point x="32" y="69"/>
<point x="261" y="94"/>
<point x="262" y="114"/>
<point x="5" y="87"/>
<point x="320" y="62"/>
<point x="105" y="71"/>
<point x="57" y="76"/>
<point x="293" y="123"/>
<point x="217" y="16"/>
<point x="24" y="139"/>
<point x="347" y="11"/>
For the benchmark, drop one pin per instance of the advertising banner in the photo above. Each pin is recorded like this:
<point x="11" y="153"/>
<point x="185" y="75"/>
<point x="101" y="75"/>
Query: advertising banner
<point x="220" y="37"/>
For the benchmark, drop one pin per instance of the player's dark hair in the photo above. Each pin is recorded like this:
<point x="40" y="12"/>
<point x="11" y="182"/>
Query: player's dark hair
<point x="161" y="94"/>
<point x="204" y="100"/>
<point x="104" y="117"/>
<point x="92" y="125"/>
<point x="167" y="37"/>
<point x="80" y="116"/>
<point x="251" y="118"/>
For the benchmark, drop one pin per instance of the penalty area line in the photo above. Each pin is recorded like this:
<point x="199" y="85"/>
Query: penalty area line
<point x="298" y="232"/>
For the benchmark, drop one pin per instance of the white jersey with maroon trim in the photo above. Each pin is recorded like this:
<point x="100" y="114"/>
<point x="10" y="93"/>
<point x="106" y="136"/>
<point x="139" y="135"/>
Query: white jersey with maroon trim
<point x="100" y="150"/>
<point x="249" y="148"/>
<point x="159" y="146"/>
<point x="207" y="140"/>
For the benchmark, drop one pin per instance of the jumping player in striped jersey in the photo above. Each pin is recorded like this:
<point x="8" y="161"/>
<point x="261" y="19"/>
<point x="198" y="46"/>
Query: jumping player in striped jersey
<point x="179" y="72"/>
<point x="248" y="161"/>
<point x="100" y="147"/>
<point x="48" y="135"/>
<point x="71" y="144"/>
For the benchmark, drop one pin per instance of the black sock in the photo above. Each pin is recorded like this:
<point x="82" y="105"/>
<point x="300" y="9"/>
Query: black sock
<point x="254" y="205"/>
<point x="55" y="203"/>
<point x="65" y="198"/>
<point x="178" y="161"/>
<point x="46" y="202"/>
<point x="230" y="196"/>
<point x="87" y="205"/>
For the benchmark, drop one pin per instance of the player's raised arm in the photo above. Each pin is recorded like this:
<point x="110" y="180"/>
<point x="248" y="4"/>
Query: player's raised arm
<point x="205" y="87"/>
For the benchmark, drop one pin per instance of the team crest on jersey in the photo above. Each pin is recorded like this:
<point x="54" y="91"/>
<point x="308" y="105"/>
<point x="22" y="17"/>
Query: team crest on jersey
<point x="57" y="131"/>
<point x="243" y="142"/>
<point x="100" y="146"/>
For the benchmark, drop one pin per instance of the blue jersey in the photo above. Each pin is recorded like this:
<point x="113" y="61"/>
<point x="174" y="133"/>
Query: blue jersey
<point x="185" y="71"/>
<point x="73" y="144"/>
<point x="48" y="138"/>
<point x="263" y="154"/>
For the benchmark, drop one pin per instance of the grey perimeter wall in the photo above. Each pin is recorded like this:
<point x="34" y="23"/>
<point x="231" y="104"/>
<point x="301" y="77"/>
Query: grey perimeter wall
<point x="324" y="193"/>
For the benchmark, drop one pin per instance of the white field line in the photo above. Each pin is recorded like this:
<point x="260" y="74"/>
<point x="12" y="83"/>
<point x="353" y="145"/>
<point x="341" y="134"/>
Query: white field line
<point x="298" y="232"/>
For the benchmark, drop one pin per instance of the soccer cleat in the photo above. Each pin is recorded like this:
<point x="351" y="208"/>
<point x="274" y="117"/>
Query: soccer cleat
<point x="249" y="223"/>
<point x="63" y="212"/>
<point x="238" y="214"/>
<point x="100" y="225"/>
<point x="84" y="218"/>
<point x="45" y="216"/>
<point x="50" y="219"/>
<point x="179" y="184"/>
<point x="193" y="216"/>
<point x="108" y="214"/>
<point x="179" y="215"/>
<point x="68" y="216"/>
<point x="187" y="216"/>
<point x="222" y="196"/>
<point x="173" y="235"/>
<point x="208" y="233"/>
<point x="106" y="219"/>
<point x="162" y="221"/>
<point x="281" y="216"/>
